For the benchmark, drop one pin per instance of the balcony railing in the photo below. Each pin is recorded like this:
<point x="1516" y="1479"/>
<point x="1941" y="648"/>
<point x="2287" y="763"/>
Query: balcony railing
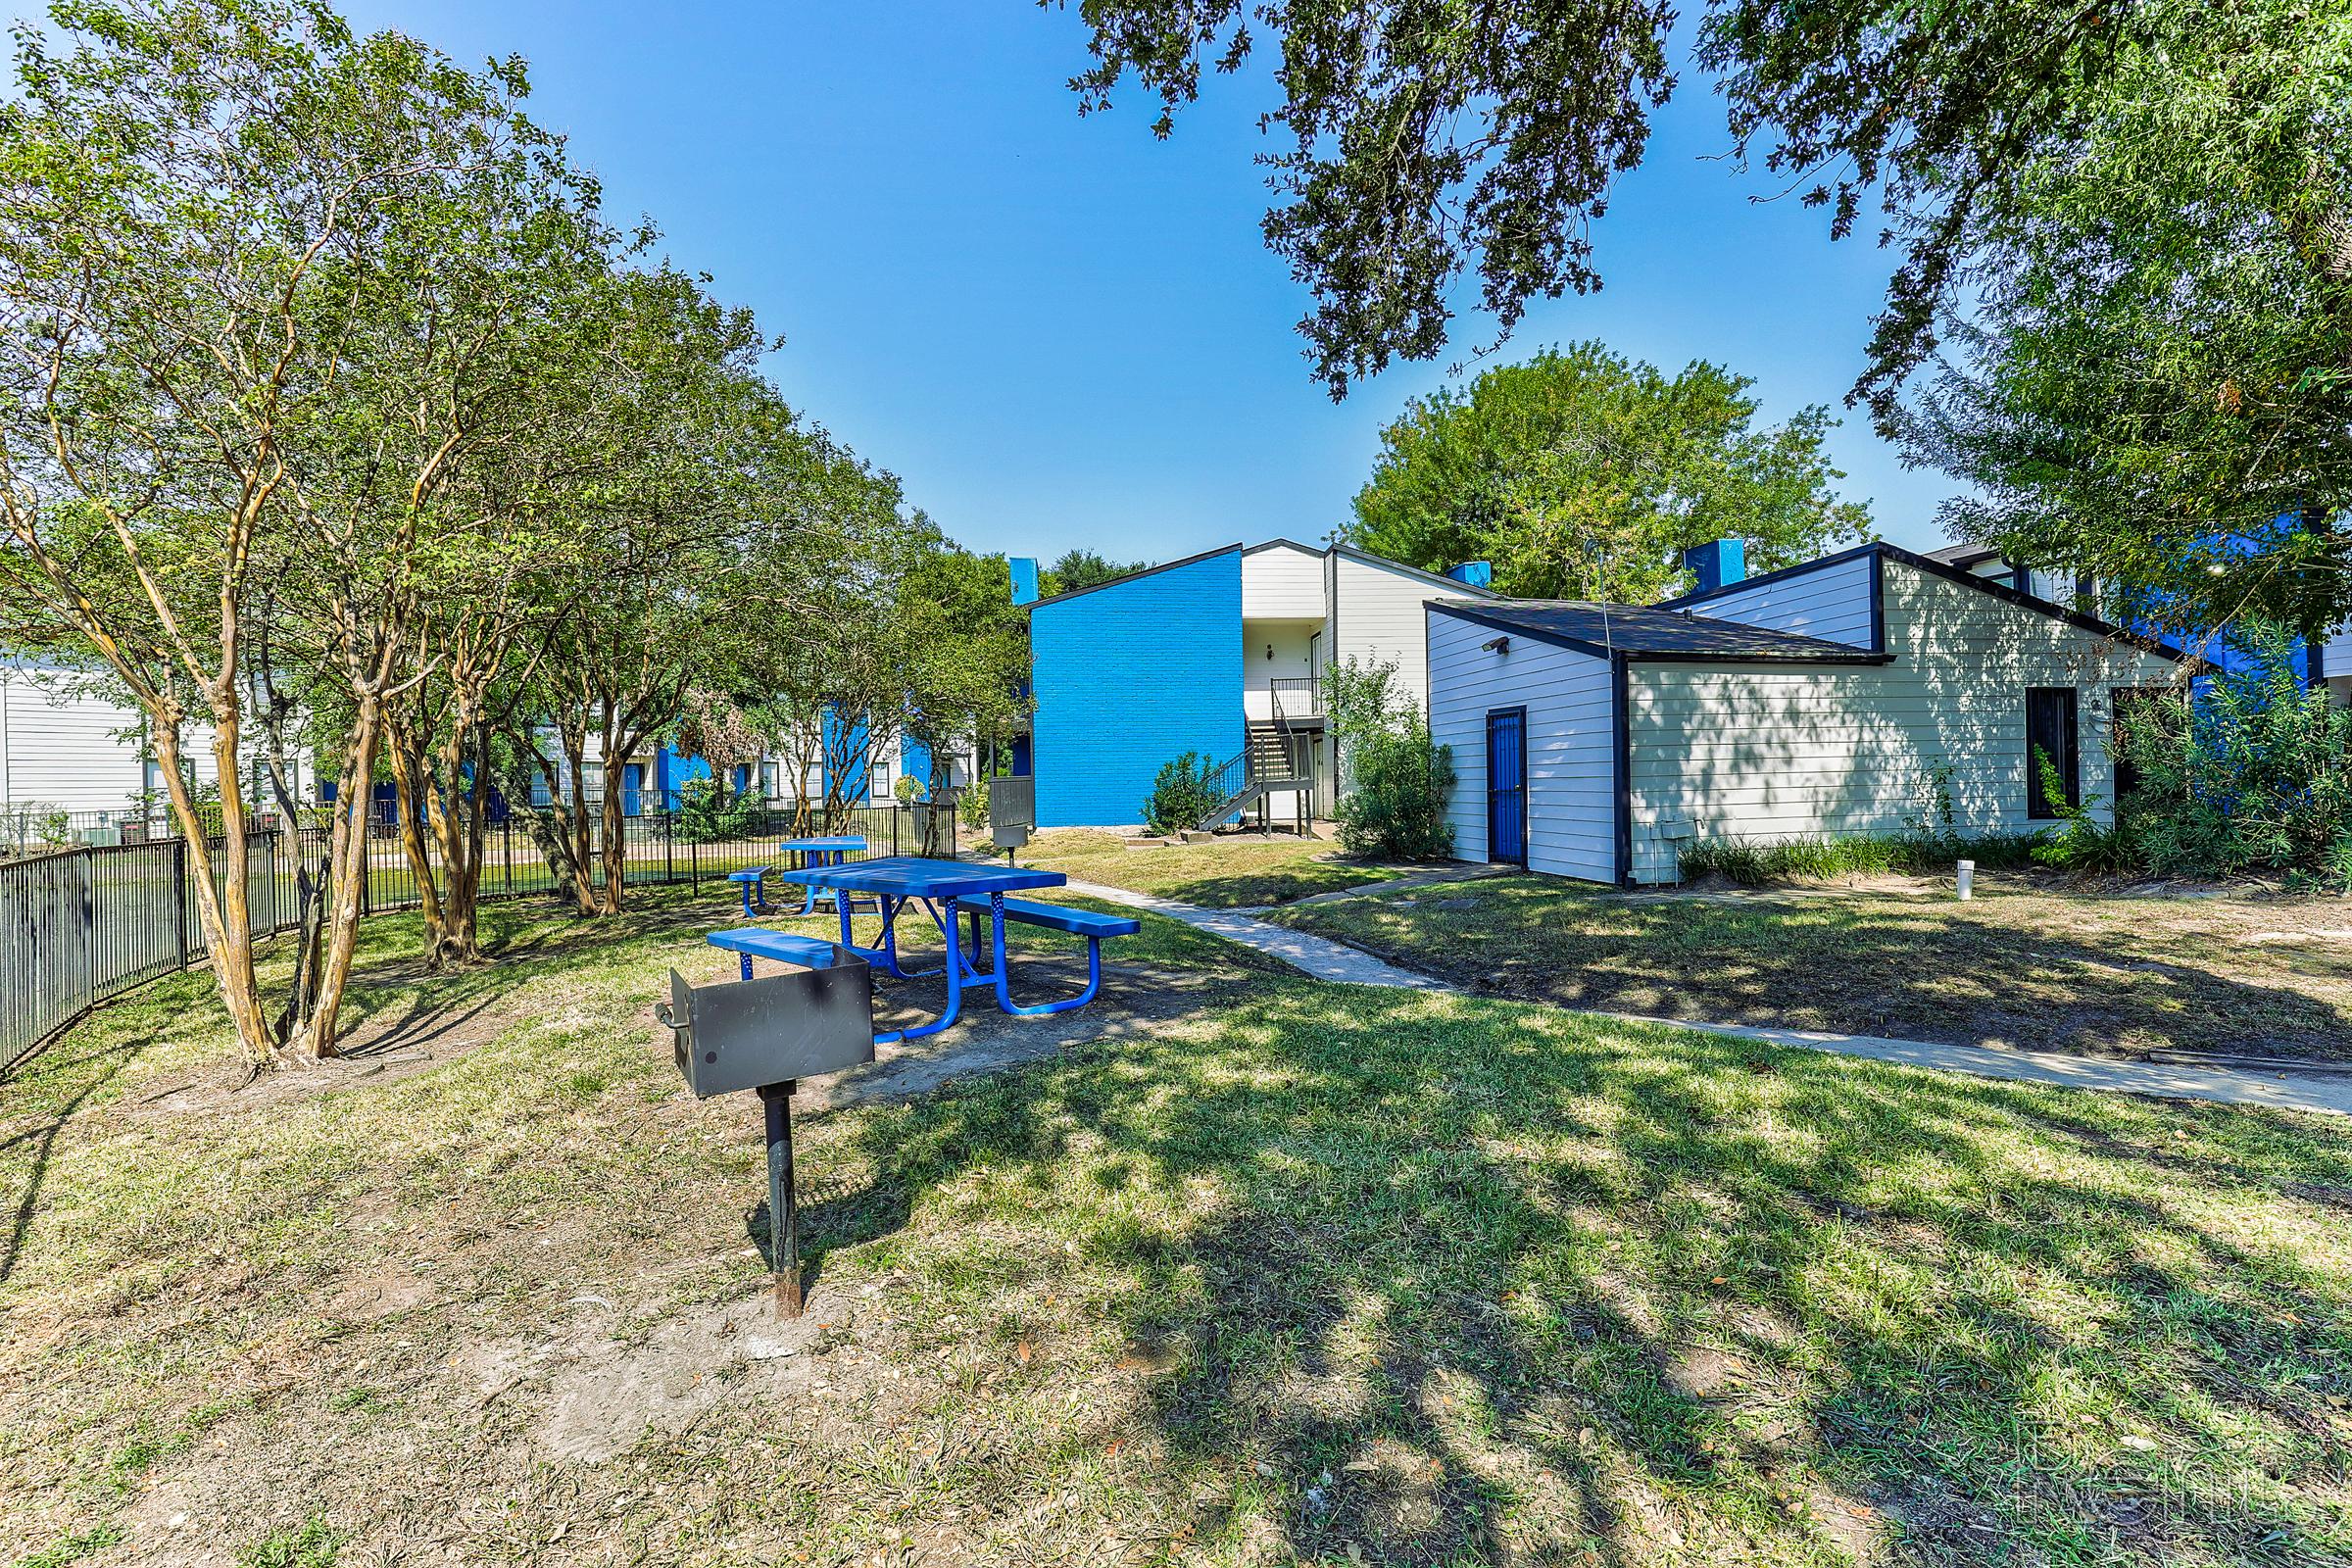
<point x="1297" y="698"/>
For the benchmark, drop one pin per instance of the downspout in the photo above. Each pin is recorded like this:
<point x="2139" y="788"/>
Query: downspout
<point x="1622" y="763"/>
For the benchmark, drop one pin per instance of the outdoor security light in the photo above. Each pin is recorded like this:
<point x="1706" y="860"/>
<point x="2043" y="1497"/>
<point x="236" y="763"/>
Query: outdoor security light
<point x="1496" y="645"/>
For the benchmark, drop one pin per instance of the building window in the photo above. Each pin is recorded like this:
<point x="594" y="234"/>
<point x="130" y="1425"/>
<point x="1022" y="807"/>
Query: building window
<point x="2050" y="735"/>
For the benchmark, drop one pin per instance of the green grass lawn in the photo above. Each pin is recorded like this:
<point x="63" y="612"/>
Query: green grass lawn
<point x="1220" y="874"/>
<point x="2030" y="963"/>
<point x="1302" y="1273"/>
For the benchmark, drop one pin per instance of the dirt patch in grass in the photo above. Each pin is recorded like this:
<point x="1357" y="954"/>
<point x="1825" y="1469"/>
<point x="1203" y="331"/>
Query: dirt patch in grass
<point x="2030" y="963"/>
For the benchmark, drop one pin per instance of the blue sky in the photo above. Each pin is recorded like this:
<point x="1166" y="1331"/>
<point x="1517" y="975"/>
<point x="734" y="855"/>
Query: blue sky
<point x="1061" y="332"/>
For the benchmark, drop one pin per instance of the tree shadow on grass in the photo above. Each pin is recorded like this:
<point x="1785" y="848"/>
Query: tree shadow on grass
<point x="33" y="1148"/>
<point x="1454" y="1282"/>
<point x="1921" y="971"/>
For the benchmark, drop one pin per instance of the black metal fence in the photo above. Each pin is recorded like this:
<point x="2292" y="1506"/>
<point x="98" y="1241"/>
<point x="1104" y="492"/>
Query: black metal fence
<point x="81" y="925"/>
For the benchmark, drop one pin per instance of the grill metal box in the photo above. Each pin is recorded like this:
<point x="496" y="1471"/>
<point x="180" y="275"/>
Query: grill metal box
<point x="750" y="1034"/>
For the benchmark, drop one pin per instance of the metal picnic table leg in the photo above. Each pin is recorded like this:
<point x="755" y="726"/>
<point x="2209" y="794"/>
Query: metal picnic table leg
<point x="955" y="968"/>
<point x="1093" y="971"/>
<point x="808" y="903"/>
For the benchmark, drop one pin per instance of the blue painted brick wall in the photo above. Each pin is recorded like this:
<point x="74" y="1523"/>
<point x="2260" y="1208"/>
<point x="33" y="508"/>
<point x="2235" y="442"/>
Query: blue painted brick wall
<point x="1127" y="678"/>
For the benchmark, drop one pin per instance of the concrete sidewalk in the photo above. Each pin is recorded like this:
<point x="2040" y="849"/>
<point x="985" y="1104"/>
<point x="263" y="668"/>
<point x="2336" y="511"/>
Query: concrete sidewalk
<point x="1309" y="955"/>
<point x="2326" y="1093"/>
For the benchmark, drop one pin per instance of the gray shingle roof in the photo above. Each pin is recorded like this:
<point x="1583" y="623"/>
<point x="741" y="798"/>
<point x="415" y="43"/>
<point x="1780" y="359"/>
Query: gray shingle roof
<point x="1601" y="629"/>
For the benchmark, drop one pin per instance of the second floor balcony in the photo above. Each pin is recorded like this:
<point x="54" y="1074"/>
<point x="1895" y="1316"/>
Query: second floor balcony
<point x="1288" y="699"/>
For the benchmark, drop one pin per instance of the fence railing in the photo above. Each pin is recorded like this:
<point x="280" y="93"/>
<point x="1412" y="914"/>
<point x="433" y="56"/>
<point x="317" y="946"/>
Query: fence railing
<point x="79" y="926"/>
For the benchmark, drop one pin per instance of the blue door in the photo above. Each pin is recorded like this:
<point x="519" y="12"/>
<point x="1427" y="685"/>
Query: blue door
<point x="1506" y="786"/>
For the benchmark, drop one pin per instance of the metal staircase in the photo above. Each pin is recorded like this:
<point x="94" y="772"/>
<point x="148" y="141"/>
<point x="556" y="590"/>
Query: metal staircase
<point x="1277" y="756"/>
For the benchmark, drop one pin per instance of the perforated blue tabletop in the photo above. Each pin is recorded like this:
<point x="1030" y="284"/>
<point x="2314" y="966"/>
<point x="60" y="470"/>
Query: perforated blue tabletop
<point x="911" y="876"/>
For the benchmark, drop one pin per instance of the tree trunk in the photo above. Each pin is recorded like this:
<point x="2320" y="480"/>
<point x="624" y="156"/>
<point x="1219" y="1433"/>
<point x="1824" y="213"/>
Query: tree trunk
<point x="458" y="837"/>
<point x="617" y="747"/>
<point x="220" y="903"/>
<point x="347" y="859"/>
<point x="583" y="850"/>
<point x="412" y="801"/>
<point x="453" y="806"/>
<point x="310" y="885"/>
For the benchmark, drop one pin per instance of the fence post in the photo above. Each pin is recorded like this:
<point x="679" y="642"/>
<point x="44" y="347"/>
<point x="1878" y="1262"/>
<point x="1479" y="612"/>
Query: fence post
<point x="694" y="865"/>
<point x="669" y="853"/>
<point x="89" y="929"/>
<point x="180" y="892"/>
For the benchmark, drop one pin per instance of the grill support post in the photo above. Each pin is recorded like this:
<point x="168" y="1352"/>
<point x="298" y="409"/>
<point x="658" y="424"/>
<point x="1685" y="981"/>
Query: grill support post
<point x="783" y="1208"/>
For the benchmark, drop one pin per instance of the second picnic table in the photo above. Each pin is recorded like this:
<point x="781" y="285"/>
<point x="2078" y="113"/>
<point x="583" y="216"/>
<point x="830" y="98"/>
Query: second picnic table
<point x="824" y="850"/>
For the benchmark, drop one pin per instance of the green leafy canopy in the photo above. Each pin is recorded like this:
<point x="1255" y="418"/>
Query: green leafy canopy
<point x="1583" y="475"/>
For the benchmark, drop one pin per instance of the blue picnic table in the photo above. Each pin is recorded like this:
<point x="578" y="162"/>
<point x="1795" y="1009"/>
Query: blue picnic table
<point x="947" y="891"/>
<point x="822" y="850"/>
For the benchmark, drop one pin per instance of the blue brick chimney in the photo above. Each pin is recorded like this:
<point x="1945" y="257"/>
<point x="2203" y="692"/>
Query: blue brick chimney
<point x="1718" y="562"/>
<point x="1472" y="573"/>
<point x="1024" y="580"/>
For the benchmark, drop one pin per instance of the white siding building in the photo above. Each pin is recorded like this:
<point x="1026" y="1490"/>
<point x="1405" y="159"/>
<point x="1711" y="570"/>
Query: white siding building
<point x="67" y="746"/>
<point x="1871" y="692"/>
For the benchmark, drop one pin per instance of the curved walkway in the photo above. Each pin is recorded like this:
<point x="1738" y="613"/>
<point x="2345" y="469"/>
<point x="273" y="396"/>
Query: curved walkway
<point x="2330" y="1094"/>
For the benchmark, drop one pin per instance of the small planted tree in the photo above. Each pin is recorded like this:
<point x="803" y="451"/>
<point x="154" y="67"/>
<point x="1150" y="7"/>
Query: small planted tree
<point x="1183" y="794"/>
<point x="1393" y="778"/>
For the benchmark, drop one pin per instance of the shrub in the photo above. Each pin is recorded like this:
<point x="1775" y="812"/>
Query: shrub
<point x="708" y="814"/>
<point x="1184" y="792"/>
<point x="2083" y="844"/>
<point x="1753" y="864"/>
<point x="1396" y="804"/>
<point x="2253" y="775"/>
<point x="1395" y="777"/>
<point x="971" y="805"/>
<point x="908" y="789"/>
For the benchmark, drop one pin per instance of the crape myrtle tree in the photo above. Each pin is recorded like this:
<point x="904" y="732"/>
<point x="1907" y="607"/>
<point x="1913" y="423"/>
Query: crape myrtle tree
<point x="1418" y="143"/>
<point x="1582" y="474"/>
<point x="621" y="374"/>
<point x="723" y="554"/>
<point x="224" y="225"/>
<point x="967" y="652"/>
<point x="916" y="638"/>
<point x="404" y="495"/>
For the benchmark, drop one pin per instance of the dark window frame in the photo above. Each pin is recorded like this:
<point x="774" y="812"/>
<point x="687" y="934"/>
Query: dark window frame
<point x="2067" y="754"/>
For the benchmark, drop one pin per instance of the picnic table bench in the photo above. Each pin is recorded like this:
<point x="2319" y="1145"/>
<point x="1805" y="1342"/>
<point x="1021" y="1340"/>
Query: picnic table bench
<point x="1086" y="923"/>
<point x="757" y="941"/>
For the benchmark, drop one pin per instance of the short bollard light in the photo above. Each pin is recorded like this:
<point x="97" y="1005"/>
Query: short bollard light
<point x="766" y="1035"/>
<point x="1967" y="879"/>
